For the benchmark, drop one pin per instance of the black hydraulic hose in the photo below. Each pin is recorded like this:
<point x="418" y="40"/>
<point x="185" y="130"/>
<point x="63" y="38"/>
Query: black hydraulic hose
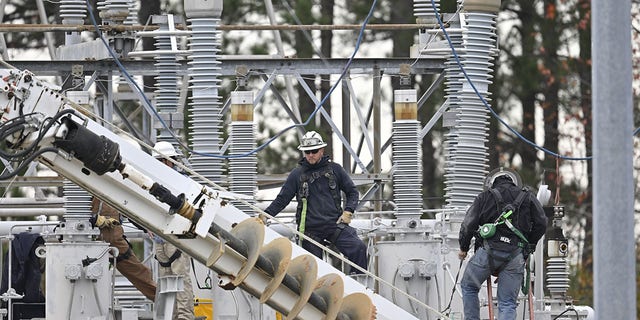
<point x="567" y="310"/>
<point x="266" y="266"/>
<point x="26" y="162"/>
<point x="42" y="132"/>
<point x="4" y="133"/>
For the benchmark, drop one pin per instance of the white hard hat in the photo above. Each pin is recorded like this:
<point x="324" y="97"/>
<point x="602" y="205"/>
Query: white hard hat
<point x="498" y="172"/>
<point x="311" y="141"/>
<point x="164" y="148"/>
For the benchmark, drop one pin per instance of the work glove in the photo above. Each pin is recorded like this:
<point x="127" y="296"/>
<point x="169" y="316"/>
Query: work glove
<point x="103" y="222"/>
<point x="345" y="217"/>
<point x="462" y="254"/>
<point x="263" y="217"/>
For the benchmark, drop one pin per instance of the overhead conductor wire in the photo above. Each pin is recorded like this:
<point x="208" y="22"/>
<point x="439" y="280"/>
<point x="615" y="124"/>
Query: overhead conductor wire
<point x="149" y="106"/>
<point x="484" y="102"/>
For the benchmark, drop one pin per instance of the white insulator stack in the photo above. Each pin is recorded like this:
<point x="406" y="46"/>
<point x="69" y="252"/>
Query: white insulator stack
<point x="132" y="17"/>
<point x="425" y="14"/>
<point x="77" y="205"/>
<point x="557" y="277"/>
<point x="424" y="8"/>
<point x="467" y="160"/>
<point x="113" y="12"/>
<point x="206" y="117"/>
<point x="73" y="12"/>
<point x="167" y="93"/>
<point x="242" y="170"/>
<point x="407" y="155"/>
<point x="130" y="20"/>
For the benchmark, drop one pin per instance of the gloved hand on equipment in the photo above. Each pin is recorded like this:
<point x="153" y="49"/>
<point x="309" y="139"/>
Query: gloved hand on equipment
<point x="345" y="217"/>
<point x="103" y="222"/>
<point x="263" y="217"/>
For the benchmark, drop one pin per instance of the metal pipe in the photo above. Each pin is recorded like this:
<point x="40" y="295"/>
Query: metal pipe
<point x="3" y="43"/>
<point x="5" y="27"/>
<point x="377" y="155"/>
<point x="51" y="42"/>
<point x="614" y="245"/>
<point x="346" y="122"/>
<point x="31" y="212"/>
<point x="280" y="47"/>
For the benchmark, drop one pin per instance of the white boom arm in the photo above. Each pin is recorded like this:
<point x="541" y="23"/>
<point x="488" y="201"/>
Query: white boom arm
<point x="38" y="123"/>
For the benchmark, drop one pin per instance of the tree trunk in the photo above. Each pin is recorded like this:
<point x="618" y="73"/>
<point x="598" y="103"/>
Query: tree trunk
<point x="529" y="83"/>
<point x="147" y="9"/>
<point x="326" y="38"/>
<point x="584" y="72"/>
<point x="552" y="72"/>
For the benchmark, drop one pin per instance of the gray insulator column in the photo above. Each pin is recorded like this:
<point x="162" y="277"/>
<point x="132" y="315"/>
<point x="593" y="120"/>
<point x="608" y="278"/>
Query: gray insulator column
<point x="167" y="93"/>
<point x="72" y="12"/>
<point x="407" y="156"/>
<point x="130" y="20"/>
<point x="557" y="279"/>
<point x="424" y="13"/>
<point x="132" y="17"/>
<point x="77" y="204"/>
<point x="467" y="152"/>
<point x="113" y="12"/>
<point x="242" y="170"/>
<point x="206" y="119"/>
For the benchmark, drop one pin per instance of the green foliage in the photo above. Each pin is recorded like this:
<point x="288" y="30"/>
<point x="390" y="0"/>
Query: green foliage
<point x="581" y="286"/>
<point x="25" y="12"/>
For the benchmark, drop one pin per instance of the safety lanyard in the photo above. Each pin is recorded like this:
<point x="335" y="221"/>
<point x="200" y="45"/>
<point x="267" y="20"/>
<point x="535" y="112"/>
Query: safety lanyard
<point x="303" y="217"/>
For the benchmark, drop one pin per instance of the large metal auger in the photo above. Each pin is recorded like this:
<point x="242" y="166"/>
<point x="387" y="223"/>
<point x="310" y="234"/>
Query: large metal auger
<point x="299" y="274"/>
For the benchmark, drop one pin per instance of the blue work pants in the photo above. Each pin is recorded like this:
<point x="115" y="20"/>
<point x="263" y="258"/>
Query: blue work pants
<point x="347" y="243"/>
<point x="509" y="282"/>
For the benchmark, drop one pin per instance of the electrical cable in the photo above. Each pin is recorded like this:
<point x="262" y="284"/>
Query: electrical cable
<point x="207" y="280"/>
<point x="235" y="300"/>
<point x="26" y="162"/>
<point x="46" y="125"/>
<point x="567" y="310"/>
<point x="152" y="110"/>
<point x="27" y="155"/>
<point x="438" y="292"/>
<point x="71" y="297"/>
<point x="455" y="282"/>
<point x="488" y="107"/>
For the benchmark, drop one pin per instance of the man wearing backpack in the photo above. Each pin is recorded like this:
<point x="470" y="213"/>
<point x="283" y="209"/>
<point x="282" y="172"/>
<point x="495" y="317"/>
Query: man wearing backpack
<point x="507" y="222"/>
<point x="316" y="183"/>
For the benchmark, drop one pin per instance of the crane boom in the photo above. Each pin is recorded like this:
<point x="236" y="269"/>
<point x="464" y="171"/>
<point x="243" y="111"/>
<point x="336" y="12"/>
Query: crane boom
<point x="39" y="123"/>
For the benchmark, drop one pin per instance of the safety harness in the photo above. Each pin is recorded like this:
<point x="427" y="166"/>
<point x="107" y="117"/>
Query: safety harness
<point x="173" y="258"/>
<point x="487" y="231"/>
<point x="306" y="180"/>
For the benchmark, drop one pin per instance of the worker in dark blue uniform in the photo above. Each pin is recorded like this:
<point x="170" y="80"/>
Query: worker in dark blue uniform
<point x="507" y="222"/>
<point x="317" y="184"/>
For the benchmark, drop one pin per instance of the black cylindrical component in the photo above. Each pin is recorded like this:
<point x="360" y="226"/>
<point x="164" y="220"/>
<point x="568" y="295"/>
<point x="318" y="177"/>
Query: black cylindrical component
<point x="164" y="195"/>
<point x="97" y="153"/>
